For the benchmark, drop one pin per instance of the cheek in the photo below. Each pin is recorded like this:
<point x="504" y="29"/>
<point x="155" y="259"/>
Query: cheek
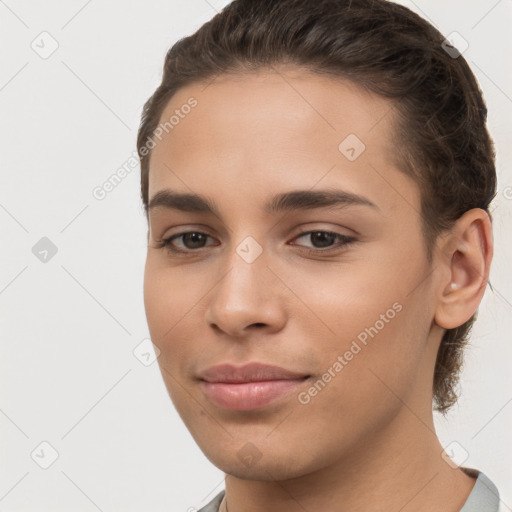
<point x="172" y="301"/>
<point x="368" y="325"/>
<point x="169" y="296"/>
<point x="370" y="356"/>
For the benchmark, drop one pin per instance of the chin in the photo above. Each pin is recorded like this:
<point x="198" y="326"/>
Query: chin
<point x="265" y="471"/>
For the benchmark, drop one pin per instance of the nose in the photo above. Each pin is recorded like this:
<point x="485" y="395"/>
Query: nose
<point x="247" y="298"/>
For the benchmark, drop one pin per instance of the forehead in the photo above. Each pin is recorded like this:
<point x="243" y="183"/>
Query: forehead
<point x="274" y="128"/>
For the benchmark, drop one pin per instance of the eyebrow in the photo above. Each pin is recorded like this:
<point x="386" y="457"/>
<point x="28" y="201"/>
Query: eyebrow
<point x="285" y="202"/>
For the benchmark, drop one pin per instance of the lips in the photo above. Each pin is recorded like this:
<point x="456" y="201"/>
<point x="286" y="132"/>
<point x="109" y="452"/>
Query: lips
<point x="249" y="387"/>
<point x="252" y="372"/>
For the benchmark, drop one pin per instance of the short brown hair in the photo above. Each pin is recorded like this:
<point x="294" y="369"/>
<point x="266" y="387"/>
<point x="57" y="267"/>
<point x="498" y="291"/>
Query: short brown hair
<point x="440" y="129"/>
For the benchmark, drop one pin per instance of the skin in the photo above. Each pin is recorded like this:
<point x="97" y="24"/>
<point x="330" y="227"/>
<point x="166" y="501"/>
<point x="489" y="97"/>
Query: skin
<point x="367" y="440"/>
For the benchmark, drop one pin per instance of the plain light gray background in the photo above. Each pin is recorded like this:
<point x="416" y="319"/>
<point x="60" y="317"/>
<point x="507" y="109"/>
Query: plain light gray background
<point x="71" y="323"/>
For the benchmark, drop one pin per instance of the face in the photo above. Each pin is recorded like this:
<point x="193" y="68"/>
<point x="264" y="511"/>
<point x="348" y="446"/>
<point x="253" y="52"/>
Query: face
<point x="338" y="292"/>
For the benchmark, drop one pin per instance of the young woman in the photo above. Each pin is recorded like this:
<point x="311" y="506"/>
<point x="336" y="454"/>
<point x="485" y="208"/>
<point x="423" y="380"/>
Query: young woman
<point x="317" y="178"/>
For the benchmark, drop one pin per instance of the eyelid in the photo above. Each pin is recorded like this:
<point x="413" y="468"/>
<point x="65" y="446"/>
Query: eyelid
<point x="165" y="242"/>
<point x="337" y="247"/>
<point x="346" y="240"/>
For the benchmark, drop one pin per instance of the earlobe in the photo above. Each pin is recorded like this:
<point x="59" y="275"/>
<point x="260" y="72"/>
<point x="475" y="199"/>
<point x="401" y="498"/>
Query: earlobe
<point x="466" y="256"/>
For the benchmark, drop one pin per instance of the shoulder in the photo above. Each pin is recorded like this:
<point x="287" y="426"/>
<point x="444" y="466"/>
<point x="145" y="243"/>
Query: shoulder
<point x="484" y="497"/>
<point x="213" y="506"/>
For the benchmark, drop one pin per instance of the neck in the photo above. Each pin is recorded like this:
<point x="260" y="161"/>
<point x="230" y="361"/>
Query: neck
<point x="400" y="468"/>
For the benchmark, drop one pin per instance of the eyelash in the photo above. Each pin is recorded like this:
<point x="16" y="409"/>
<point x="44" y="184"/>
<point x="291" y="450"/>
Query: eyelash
<point x="345" y="241"/>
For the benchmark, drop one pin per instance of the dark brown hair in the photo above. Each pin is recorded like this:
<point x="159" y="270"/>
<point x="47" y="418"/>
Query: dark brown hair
<point x="440" y="116"/>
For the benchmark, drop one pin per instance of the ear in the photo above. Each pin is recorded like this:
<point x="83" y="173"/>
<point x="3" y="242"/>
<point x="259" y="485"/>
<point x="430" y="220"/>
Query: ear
<point x="465" y="256"/>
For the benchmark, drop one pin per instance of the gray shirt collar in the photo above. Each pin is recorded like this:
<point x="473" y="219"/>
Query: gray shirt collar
<point x="484" y="497"/>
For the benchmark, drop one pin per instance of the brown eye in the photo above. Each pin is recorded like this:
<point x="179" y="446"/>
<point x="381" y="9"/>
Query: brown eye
<point x="190" y="241"/>
<point x="322" y="240"/>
